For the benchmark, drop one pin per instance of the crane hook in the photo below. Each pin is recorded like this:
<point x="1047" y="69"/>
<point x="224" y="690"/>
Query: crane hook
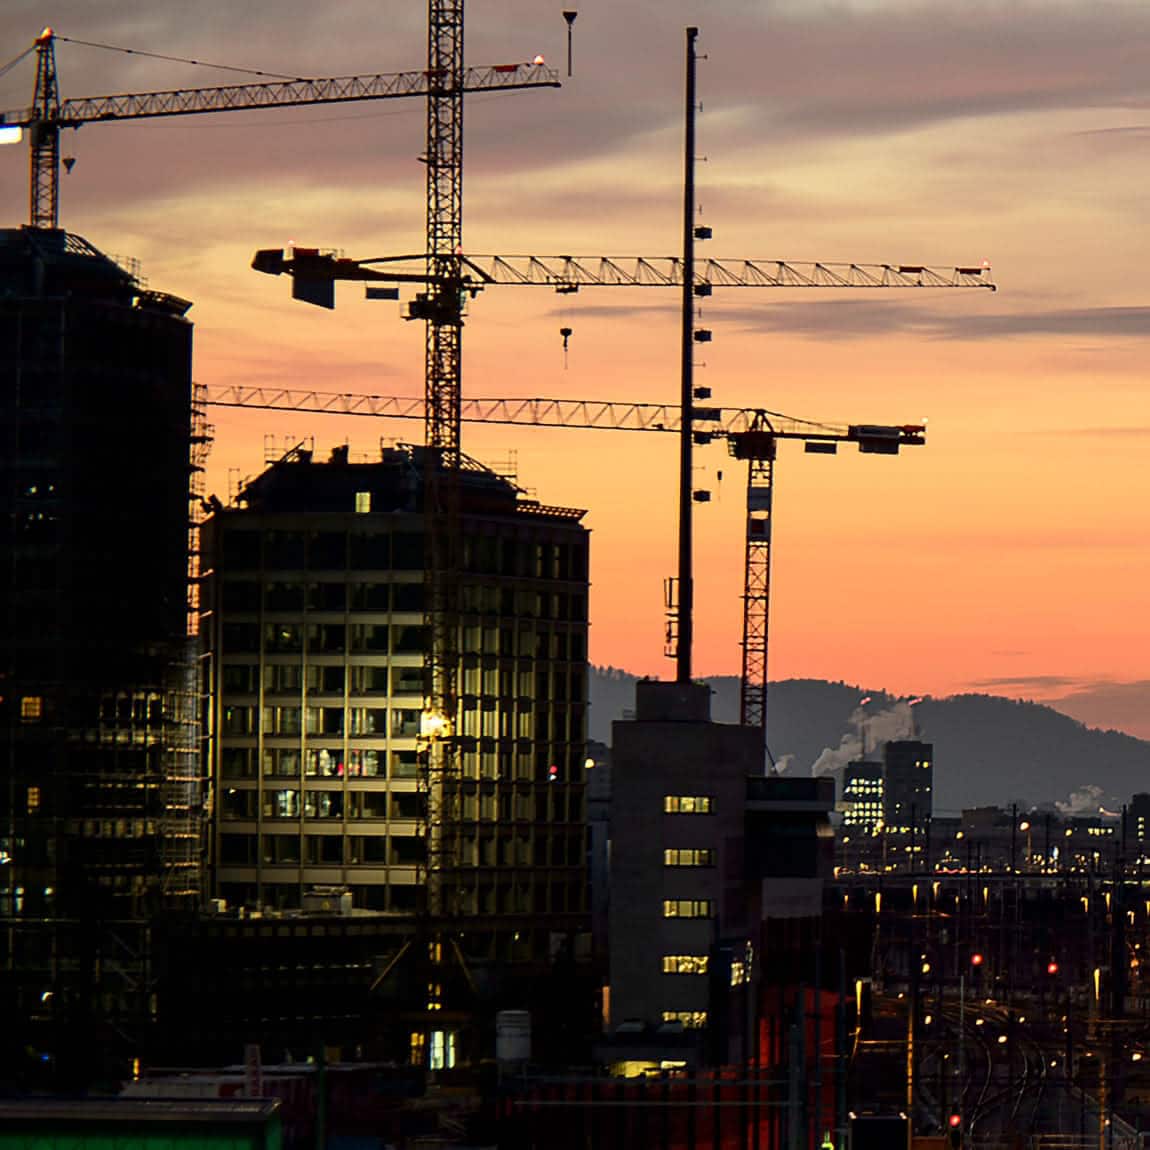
<point x="566" y="333"/>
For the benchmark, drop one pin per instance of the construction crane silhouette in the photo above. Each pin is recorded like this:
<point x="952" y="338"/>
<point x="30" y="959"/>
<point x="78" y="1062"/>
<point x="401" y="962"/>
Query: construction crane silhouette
<point x="752" y="435"/>
<point x="48" y="115"/>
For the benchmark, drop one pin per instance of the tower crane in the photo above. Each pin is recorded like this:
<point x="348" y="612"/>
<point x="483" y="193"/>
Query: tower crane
<point x="48" y="115"/>
<point x="752" y="435"/>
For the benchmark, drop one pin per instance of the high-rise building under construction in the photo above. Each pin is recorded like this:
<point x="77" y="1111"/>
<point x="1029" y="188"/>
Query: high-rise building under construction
<point x="315" y="623"/>
<point x="98" y="804"/>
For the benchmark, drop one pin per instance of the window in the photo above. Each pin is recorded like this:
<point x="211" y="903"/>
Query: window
<point x="740" y="974"/>
<point x="684" y="964"/>
<point x="31" y="708"/>
<point x="690" y="857"/>
<point x="368" y="764"/>
<point x="33" y="803"/>
<point x="323" y="804"/>
<point x="688" y="908"/>
<point x="283" y="637"/>
<point x="239" y="679"/>
<point x="691" y="1019"/>
<point x="281" y="849"/>
<point x="323" y="849"/>
<point x="362" y="502"/>
<point x="282" y="762"/>
<point x="280" y="804"/>
<point x="323" y="762"/>
<point x="687" y="804"/>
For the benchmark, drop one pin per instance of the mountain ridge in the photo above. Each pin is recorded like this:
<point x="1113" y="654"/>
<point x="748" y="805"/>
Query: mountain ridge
<point x="989" y="750"/>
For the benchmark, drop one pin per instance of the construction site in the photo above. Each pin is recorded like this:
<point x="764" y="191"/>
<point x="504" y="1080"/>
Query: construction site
<point x="298" y="797"/>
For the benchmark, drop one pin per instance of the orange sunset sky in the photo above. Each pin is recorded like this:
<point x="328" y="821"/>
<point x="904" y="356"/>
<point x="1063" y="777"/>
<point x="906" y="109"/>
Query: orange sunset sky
<point x="1009" y="555"/>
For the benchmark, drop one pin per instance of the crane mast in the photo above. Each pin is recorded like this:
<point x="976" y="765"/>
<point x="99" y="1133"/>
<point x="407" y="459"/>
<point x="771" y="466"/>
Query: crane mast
<point x="44" y="146"/>
<point x="442" y="309"/>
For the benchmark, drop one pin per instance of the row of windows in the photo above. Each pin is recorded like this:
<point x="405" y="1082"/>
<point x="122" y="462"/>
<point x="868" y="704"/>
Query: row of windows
<point x="242" y="595"/>
<point x="491" y="722"/>
<point x="283" y="678"/>
<point x="690" y="1019"/>
<point x="688" y="857"/>
<point x="549" y="805"/>
<point x="688" y="804"/>
<point x="249" y="596"/>
<point x="398" y="551"/>
<point x="325" y="638"/>
<point x="288" y="638"/>
<point x="685" y="964"/>
<point x="291" y="803"/>
<point x="397" y="850"/>
<point x="321" y="850"/>
<point x="688" y="908"/>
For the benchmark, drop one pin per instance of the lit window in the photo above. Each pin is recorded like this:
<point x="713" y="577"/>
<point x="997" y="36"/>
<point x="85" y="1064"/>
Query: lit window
<point x="418" y="1048"/>
<point x="33" y="799"/>
<point x="684" y="964"/>
<point x="676" y="857"/>
<point x="688" y="908"/>
<point x="362" y="502"/>
<point x="31" y="708"/>
<point x="687" y="804"/>
<point x="691" y="1019"/>
<point x="739" y="972"/>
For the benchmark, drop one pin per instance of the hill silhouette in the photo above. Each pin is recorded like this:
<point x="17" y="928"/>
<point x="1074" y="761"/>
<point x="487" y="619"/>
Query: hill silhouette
<point x="988" y="750"/>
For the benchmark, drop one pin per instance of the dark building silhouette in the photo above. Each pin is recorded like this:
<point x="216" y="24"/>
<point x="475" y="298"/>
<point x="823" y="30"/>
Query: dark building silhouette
<point x="98" y="719"/>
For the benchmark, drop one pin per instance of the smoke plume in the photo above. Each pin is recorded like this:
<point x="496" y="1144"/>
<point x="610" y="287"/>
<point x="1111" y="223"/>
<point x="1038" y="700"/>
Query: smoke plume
<point x="868" y="731"/>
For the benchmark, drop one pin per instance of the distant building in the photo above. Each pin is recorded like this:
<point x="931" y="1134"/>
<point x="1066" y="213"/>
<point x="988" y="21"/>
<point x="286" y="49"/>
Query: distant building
<point x="908" y="771"/>
<point x="99" y="716"/>
<point x="862" y="801"/>
<point x="862" y="810"/>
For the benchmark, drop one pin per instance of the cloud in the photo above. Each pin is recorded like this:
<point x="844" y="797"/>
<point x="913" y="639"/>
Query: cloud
<point x="1118" y="706"/>
<point x="1031" y="682"/>
<point x="854" y="318"/>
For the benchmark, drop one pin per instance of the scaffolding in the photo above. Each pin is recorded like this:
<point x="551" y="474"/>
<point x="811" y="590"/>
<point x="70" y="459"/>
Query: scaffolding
<point x="182" y="786"/>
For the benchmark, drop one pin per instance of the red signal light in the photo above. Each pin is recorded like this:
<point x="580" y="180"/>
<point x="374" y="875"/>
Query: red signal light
<point x="552" y="773"/>
<point x="976" y="960"/>
<point x="1052" y="968"/>
<point x="955" y="1121"/>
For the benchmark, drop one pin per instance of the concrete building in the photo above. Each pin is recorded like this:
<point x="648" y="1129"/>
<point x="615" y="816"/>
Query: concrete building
<point x="98" y="807"/>
<point x="678" y="890"/>
<point x="316" y="632"/>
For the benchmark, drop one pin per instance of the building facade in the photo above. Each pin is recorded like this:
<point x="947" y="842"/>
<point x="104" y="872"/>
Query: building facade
<point x="315" y="622"/>
<point x="678" y="889"/>
<point x="98" y="717"/>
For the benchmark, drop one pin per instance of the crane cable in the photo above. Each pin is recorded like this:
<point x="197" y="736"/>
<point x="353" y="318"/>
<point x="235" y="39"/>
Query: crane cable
<point x="12" y="63"/>
<point x="161" y="56"/>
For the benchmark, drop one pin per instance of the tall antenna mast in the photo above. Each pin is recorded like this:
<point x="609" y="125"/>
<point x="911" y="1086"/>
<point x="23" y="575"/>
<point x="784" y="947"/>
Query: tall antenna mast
<point x="686" y="401"/>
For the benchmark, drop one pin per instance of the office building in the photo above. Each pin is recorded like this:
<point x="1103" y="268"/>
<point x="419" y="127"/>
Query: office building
<point x="315" y="599"/>
<point x="98" y="807"/>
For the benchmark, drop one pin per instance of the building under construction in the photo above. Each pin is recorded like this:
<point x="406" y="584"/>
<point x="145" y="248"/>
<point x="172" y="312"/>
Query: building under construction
<point x="98" y="808"/>
<point x="315" y="625"/>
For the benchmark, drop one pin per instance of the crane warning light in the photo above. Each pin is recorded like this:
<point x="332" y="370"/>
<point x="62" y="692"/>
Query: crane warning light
<point x="976" y="959"/>
<point x="1052" y="967"/>
<point x="47" y="34"/>
<point x="539" y="59"/>
<point x="954" y="1121"/>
